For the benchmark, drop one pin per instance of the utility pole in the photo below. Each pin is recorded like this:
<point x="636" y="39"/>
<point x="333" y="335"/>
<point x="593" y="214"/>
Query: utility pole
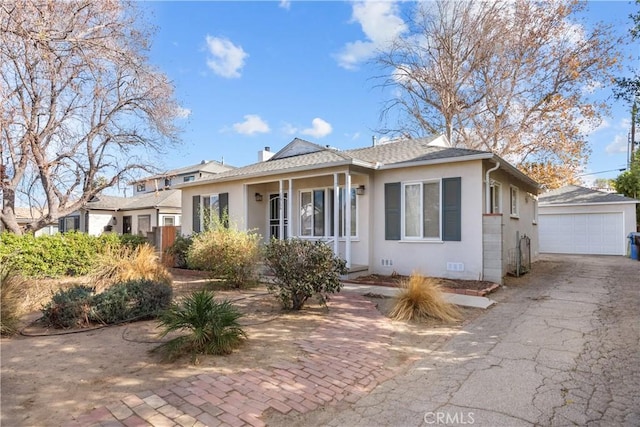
<point x="632" y="141"/>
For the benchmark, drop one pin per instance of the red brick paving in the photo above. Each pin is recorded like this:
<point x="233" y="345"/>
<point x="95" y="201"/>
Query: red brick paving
<point x="344" y="360"/>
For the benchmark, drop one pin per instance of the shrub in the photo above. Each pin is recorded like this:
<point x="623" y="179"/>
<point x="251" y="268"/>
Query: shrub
<point x="126" y="263"/>
<point x="133" y="240"/>
<point x="420" y="298"/>
<point x="69" y="308"/>
<point x="227" y="253"/>
<point x="69" y="254"/>
<point x="131" y="300"/>
<point x="12" y="288"/>
<point x="180" y="249"/>
<point x="212" y="325"/>
<point x="80" y="306"/>
<point x="301" y="269"/>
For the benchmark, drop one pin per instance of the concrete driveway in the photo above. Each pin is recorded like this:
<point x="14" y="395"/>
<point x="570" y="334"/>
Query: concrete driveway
<point x="561" y="347"/>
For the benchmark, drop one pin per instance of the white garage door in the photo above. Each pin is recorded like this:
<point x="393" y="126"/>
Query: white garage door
<point x="597" y="233"/>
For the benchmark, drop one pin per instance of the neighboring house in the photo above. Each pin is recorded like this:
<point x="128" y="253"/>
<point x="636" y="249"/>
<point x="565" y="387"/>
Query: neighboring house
<point x="577" y="220"/>
<point x="169" y="179"/>
<point x="26" y="216"/>
<point x="154" y="203"/>
<point x="125" y="215"/>
<point x="412" y="205"/>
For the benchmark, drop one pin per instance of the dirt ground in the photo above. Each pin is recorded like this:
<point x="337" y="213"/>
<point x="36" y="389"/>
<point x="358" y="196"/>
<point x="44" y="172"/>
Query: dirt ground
<point x="47" y="377"/>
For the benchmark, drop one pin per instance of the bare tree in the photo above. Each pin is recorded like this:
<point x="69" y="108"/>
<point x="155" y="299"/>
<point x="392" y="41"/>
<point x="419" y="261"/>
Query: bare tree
<point x="80" y="106"/>
<point x="509" y="77"/>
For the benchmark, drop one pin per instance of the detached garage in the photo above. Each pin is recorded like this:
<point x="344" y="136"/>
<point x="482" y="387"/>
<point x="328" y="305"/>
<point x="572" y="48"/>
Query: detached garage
<point x="577" y="220"/>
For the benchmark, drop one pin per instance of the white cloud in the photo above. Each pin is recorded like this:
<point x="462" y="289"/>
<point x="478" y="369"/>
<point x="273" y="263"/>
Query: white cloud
<point x="226" y="58"/>
<point x="319" y="128"/>
<point x="252" y="124"/>
<point x="183" y="113"/>
<point x="380" y="24"/>
<point x="285" y="4"/>
<point x="289" y="129"/>
<point x="619" y="145"/>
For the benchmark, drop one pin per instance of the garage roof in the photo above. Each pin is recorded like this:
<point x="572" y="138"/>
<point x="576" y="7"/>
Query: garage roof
<point x="576" y="195"/>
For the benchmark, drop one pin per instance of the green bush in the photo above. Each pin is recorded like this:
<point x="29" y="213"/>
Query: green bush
<point x="302" y="269"/>
<point x="68" y="254"/>
<point x="69" y="308"/>
<point x="212" y="327"/>
<point x="80" y="306"/>
<point x="227" y="253"/>
<point x="133" y="240"/>
<point x="180" y="250"/>
<point x="132" y="300"/>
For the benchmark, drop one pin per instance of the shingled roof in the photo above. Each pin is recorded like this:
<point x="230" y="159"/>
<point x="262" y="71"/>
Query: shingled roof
<point x="159" y="199"/>
<point x="301" y="154"/>
<point x="574" y="194"/>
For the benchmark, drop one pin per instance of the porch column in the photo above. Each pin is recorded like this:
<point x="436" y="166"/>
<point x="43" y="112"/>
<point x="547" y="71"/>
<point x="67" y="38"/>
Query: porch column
<point x="290" y="208"/>
<point x="336" y="214"/>
<point x="281" y="210"/>
<point x="347" y="219"/>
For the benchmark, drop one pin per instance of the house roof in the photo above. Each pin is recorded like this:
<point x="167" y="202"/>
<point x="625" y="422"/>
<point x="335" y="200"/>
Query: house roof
<point x="158" y="199"/>
<point x="209" y="166"/>
<point x="576" y="195"/>
<point x="304" y="155"/>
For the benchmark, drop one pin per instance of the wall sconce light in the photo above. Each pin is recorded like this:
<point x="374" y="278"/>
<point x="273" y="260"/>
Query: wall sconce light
<point x="360" y="190"/>
<point x="258" y="197"/>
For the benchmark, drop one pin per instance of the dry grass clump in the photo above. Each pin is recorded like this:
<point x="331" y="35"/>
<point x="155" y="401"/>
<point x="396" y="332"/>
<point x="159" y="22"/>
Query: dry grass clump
<point x="12" y="291"/>
<point x="420" y="298"/>
<point x="125" y="264"/>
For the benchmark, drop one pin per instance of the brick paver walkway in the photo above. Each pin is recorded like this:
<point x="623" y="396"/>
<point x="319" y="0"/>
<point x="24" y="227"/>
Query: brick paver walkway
<point x="343" y="360"/>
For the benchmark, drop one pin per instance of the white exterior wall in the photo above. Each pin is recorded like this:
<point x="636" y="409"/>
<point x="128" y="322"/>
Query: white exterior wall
<point x="428" y="257"/>
<point x="98" y="220"/>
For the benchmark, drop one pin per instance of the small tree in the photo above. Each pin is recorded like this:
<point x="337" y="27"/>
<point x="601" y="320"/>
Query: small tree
<point x="302" y="269"/>
<point x="628" y="183"/>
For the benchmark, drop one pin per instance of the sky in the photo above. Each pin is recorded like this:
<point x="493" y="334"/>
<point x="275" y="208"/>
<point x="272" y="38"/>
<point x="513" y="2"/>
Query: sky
<point x="254" y="74"/>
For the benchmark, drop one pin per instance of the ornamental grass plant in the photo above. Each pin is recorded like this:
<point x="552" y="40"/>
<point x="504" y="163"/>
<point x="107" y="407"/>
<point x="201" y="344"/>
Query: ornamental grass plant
<point x="128" y="263"/>
<point x="420" y="298"/>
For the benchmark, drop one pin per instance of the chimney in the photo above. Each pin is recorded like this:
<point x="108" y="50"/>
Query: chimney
<point x="373" y="140"/>
<point x="264" y="155"/>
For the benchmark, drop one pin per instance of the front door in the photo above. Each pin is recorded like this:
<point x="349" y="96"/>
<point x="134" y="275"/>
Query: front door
<point x="126" y="224"/>
<point x="274" y="216"/>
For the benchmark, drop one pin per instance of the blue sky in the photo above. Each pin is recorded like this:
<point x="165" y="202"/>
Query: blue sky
<point x="256" y="74"/>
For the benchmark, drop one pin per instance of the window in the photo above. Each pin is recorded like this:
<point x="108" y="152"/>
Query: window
<point x="429" y="210"/>
<point x="209" y="208"/>
<point x="141" y="187"/>
<point x="495" y="193"/>
<point x="144" y="224"/>
<point x="514" y="201"/>
<point x="189" y="178"/>
<point x="316" y="213"/>
<point x="71" y="223"/>
<point x="168" y="220"/>
<point x="421" y="206"/>
<point x="167" y="182"/>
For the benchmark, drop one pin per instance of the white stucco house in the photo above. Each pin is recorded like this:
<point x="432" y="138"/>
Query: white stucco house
<point x="411" y="205"/>
<point x="578" y="220"/>
<point x="125" y="215"/>
<point x="155" y="203"/>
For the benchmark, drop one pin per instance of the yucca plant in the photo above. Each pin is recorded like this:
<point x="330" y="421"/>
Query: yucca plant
<point x="420" y="298"/>
<point x="126" y="263"/>
<point x="212" y="327"/>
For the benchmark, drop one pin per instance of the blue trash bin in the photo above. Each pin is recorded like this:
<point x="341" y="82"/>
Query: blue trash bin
<point x="633" y="240"/>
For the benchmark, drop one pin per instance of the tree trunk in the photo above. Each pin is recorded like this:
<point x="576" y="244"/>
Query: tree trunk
<point x="8" y="216"/>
